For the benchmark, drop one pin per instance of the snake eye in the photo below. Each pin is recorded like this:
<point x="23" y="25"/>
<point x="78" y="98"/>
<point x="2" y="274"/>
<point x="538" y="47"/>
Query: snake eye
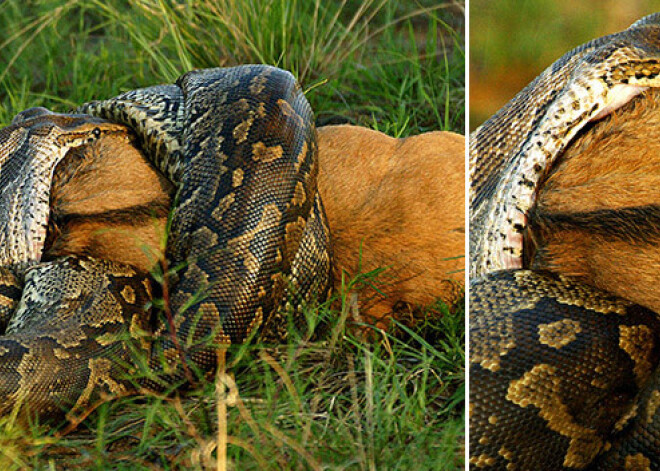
<point x="96" y="132"/>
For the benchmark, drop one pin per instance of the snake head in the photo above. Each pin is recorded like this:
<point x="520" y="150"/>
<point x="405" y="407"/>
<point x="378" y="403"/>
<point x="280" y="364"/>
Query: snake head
<point x="30" y="149"/>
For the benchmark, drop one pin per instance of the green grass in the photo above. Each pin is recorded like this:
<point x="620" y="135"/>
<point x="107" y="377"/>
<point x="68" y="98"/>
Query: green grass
<point x="394" y="403"/>
<point x="368" y="63"/>
<point x="337" y="404"/>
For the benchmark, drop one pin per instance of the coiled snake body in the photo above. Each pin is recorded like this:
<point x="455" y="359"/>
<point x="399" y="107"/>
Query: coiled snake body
<point x="248" y="236"/>
<point x="562" y="375"/>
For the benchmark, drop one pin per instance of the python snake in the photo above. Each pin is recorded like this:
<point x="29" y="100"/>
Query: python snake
<point x="248" y="239"/>
<point x="562" y="375"/>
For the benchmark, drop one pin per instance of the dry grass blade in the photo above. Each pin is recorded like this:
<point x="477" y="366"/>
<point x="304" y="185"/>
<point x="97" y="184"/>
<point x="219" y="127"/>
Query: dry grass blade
<point x="369" y="394"/>
<point x="221" y="405"/>
<point x="286" y="379"/>
<point x="356" y="406"/>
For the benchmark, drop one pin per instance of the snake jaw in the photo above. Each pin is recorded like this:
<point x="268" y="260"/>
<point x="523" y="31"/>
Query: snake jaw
<point x="512" y="257"/>
<point x="32" y="148"/>
<point x="620" y="94"/>
<point x="531" y="170"/>
<point x="26" y="231"/>
<point x="36" y="242"/>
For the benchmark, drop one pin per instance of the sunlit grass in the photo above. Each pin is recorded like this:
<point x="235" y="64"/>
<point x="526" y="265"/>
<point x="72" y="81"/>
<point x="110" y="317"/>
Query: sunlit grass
<point x="394" y="403"/>
<point x="385" y="74"/>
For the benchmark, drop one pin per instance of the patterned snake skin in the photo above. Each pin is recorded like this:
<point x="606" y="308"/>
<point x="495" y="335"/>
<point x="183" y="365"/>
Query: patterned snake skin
<point x="562" y="375"/>
<point x="248" y="236"/>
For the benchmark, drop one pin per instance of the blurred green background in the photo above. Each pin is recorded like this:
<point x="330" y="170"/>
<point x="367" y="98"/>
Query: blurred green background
<point x="512" y="41"/>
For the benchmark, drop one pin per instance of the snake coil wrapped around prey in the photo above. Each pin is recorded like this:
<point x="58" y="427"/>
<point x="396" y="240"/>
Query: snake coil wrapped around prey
<point x="562" y="375"/>
<point x="248" y="231"/>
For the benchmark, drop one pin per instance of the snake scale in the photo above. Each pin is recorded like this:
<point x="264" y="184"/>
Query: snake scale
<point x="248" y="238"/>
<point x="562" y="374"/>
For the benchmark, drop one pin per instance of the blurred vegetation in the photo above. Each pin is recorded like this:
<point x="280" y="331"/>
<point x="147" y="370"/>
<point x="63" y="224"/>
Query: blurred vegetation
<point x="512" y="41"/>
<point x="396" y="66"/>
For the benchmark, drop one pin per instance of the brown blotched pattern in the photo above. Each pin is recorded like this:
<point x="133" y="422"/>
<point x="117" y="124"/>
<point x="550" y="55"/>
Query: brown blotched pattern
<point x="249" y="232"/>
<point x="70" y="338"/>
<point x="547" y="382"/>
